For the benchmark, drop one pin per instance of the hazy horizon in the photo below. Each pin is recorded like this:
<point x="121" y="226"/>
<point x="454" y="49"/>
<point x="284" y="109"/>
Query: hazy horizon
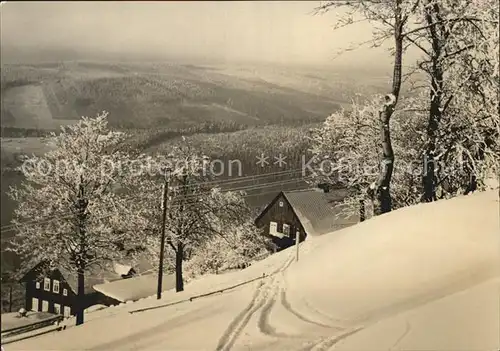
<point x="271" y="32"/>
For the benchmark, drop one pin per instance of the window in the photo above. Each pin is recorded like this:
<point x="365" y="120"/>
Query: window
<point x="46" y="284"/>
<point x="65" y="292"/>
<point x="57" y="308"/>
<point x="37" y="285"/>
<point x="45" y="306"/>
<point x="55" y="286"/>
<point x="281" y="204"/>
<point x="286" y="229"/>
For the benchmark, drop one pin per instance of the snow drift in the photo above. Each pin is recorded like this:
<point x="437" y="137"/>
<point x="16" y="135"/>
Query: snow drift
<point x="402" y="260"/>
<point x="424" y="278"/>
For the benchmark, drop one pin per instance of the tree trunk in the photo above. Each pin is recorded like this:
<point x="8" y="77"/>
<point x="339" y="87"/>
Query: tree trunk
<point x="429" y="176"/>
<point x="387" y="163"/>
<point x="179" y="255"/>
<point x="80" y="298"/>
<point x="362" y="212"/>
<point x="162" y="241"/>
<point x="82" y="255"/>
<point x="472" y="186"/>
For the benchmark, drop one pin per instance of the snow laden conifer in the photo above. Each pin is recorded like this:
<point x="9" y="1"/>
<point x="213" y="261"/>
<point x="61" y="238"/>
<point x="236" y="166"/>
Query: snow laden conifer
<point x="69" y="214"/>
<point x="197" y="210"/>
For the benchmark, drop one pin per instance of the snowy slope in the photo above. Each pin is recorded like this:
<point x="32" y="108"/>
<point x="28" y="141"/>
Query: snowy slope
<point x="424" y="278"/>
<point x="465" y="321"/>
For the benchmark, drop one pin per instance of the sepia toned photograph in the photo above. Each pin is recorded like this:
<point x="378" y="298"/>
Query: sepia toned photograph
<point x="250" y="175"/>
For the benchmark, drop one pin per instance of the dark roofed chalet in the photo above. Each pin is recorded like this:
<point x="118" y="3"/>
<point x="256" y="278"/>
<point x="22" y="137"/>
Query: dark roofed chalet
<point x="311" y="212"/>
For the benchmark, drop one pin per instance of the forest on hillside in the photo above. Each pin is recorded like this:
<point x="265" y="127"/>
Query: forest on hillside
<point x="420" y="141"/>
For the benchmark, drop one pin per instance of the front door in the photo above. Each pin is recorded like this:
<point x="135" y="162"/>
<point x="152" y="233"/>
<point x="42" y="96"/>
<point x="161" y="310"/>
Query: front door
<point x="34" y="304"/>
<point x="67" y="311"/>
<point x="45" y="306"/>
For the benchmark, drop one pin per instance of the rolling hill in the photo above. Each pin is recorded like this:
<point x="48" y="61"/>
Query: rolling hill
<point x="151" y="95"/>
<point x="394" y="282"/>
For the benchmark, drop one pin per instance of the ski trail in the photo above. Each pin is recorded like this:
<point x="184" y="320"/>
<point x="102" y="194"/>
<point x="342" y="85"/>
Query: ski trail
<point x="288" y="307"/>
<point x="325" y="343"/>
<point x="263" y="323"/>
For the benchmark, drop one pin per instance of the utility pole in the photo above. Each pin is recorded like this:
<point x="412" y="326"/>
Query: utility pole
<point x="297" y="240"/>
<point x="162" y="243"/>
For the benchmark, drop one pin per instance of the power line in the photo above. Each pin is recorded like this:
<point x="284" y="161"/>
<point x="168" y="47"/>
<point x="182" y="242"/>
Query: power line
<point x="187" y="197"/>
<point x="152" y="270"/>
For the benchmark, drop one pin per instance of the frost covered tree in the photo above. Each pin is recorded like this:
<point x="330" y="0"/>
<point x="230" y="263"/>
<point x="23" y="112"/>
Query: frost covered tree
<point x="345" y="150"/>
<point x="69" y="215"/>
<point x="237" y="248"/>
<point x="455" y="115"/>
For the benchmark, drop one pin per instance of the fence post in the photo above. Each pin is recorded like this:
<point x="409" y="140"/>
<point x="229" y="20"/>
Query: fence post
<point x="297" y="240"/>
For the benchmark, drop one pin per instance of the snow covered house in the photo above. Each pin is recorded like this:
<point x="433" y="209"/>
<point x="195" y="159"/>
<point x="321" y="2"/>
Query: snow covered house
<point x="309" y="212"/>
<point x="55" y="290"/>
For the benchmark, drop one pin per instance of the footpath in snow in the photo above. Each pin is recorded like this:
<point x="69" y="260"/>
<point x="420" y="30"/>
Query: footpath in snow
<point x="424" y="277"/>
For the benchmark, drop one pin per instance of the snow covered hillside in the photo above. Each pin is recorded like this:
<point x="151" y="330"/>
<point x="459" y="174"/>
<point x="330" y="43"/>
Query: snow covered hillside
<point x="420" y="278"/>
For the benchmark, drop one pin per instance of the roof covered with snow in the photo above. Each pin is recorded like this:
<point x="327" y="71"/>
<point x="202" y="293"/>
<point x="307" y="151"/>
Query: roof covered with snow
<point x="95" y="275"/>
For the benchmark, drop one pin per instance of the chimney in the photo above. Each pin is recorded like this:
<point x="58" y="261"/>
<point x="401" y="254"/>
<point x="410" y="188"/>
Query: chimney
<point x="325" y="187"/>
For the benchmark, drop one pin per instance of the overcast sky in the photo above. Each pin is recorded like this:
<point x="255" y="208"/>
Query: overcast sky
<point x="269" y="31"/>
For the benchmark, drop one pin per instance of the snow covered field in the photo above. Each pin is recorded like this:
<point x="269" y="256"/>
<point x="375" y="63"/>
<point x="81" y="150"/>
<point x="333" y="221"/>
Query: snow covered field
<point x="420" y="278"/>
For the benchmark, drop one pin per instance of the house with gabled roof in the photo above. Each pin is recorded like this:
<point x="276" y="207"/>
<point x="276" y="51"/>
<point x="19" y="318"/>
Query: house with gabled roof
<point x="309" y="212"/>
